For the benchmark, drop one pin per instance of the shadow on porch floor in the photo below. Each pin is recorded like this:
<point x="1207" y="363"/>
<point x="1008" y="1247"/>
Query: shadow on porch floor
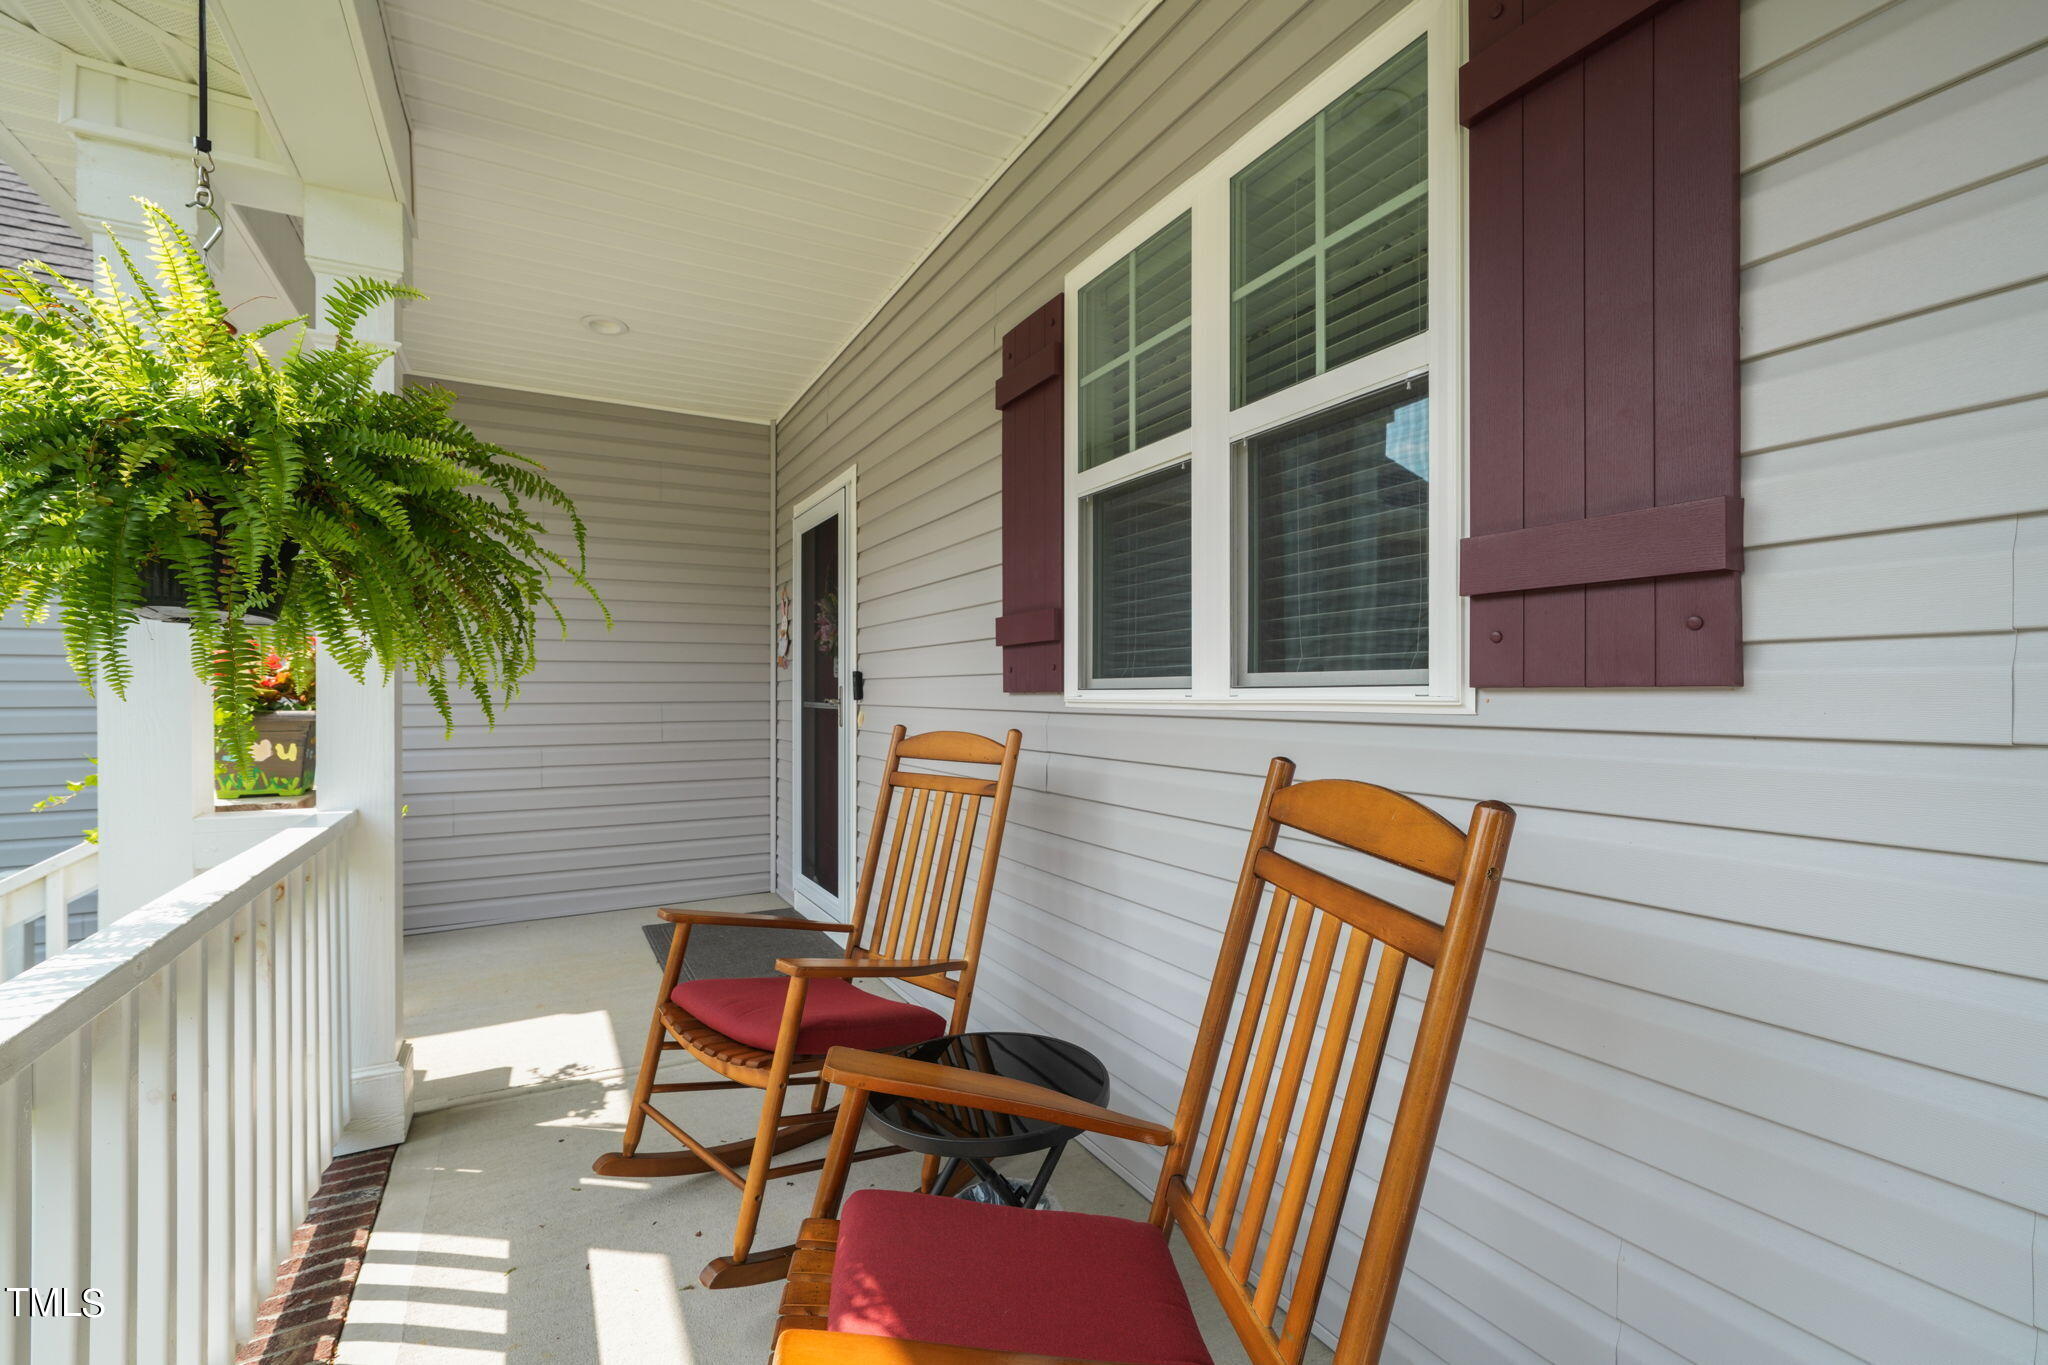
<point x="495" y="1242"/>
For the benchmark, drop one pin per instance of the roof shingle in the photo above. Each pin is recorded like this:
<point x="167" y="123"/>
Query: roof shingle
<point x="30" y="230"/>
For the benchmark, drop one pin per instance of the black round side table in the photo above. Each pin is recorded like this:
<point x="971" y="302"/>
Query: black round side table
<point x="976" y="1136"/>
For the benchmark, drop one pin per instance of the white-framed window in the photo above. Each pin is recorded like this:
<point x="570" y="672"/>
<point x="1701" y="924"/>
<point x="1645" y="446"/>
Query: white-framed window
<point x="1265" y="408"/>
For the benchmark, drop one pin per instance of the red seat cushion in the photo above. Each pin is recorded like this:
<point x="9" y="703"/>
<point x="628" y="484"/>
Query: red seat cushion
<point x="748" y="1009"/>
<point x="914" y="1267"/>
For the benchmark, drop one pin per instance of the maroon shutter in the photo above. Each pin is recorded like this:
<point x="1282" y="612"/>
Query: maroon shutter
<point x="1033" y="403"/>
<point x="1606" y="542"/>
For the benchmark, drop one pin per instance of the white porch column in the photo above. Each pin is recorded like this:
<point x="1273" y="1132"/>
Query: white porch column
<point x="346" y="235"/>
<point x="156" y="771"/>
<point x="132" y="137"/>
<point x="155" y="744"/>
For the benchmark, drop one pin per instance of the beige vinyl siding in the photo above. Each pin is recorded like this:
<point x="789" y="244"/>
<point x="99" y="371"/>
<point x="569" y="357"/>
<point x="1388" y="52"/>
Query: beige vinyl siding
<point x="632" y="768"/>
<point x="47" y="724"/>
<point x="1758" y="1062"/>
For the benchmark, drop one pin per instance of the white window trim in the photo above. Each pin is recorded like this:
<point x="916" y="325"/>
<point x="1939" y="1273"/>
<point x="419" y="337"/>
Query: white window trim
<point x="1209" y="443"/>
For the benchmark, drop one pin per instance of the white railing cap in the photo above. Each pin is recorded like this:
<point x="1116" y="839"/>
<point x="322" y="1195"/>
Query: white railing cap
<point x="55" y="863"/>
<point x="54" y="999"/>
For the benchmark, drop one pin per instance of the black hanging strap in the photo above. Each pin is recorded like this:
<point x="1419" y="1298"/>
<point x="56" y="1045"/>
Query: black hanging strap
<point x="202" y="151"/>
<point x="201" y="142"/>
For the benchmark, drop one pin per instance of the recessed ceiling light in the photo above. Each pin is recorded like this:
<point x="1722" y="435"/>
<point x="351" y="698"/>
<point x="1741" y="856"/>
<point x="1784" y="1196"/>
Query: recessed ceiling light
<point x="606" y="327"/>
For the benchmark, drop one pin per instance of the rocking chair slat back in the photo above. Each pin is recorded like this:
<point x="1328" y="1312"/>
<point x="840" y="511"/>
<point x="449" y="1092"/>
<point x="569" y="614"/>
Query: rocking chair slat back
<point x="952" y="746"/>
<point x="1374" y="820"/>
<point x="928" y="822"/>
<point x="1315" y="1014"/>
<point x="942" y="782"/>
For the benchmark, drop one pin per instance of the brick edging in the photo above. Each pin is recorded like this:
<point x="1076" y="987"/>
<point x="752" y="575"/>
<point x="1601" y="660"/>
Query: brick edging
<point x="301" y="1320"/>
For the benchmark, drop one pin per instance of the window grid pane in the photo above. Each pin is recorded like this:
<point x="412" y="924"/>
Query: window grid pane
<point x="1336" y="544"/>
<point x="1138" y="579"/>
<point x="1134" y="335"/>
<point x="1329" y="235"/>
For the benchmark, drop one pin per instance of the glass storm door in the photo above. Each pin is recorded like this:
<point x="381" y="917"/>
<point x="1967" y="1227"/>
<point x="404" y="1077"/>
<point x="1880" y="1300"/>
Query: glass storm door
<point x="824" y="721"/>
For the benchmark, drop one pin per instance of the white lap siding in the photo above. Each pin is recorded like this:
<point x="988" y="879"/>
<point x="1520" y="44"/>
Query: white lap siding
<point x="632" y="768"/>
<point x="46" y="739"/>
<point x="1758" y="1063"/>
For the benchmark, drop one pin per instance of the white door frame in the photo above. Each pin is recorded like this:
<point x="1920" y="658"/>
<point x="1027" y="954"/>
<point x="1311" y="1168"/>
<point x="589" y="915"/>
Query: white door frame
<point x="835" y="497"/>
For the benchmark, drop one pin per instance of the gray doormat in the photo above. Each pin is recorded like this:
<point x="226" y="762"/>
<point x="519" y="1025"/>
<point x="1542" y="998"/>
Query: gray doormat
<point x="723" y="950"/>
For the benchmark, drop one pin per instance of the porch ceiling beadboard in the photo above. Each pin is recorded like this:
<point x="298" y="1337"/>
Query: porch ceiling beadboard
<point x="1744" y="1079"/>
<point x="742" y="185"/>
<point x="630" y="770"/>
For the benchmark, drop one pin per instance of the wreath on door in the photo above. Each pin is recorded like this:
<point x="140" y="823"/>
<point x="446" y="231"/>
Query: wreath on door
<point x="825" y="622"/>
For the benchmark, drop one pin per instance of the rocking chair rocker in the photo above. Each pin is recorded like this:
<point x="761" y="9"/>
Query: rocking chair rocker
<point x="908" y="1279"/>
<point x="766" y="1033"/>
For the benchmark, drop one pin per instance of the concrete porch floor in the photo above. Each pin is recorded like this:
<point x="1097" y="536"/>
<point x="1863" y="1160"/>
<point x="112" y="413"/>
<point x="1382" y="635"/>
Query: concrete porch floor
<point x="496" y="1243"/>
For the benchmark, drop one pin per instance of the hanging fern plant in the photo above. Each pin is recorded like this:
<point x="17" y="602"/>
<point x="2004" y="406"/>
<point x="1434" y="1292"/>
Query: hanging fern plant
<point x="149" y="452"/>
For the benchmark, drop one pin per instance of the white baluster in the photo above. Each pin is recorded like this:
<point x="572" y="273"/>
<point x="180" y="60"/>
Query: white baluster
<point x="271" y="1040"/>
<point x="224" y="1082"/>
<point x="266" y="1092"/>
<point x="332" y="1020"/>
<point x="345" y="948"/>
<point x="112" y="1235"/>
<point x="197" y="1220"/>
<point x="15" y="1204"/>
<point x="312" y="1154"/>
<point x="291" y="1034"/>
<point x="289" y="1157"/>
<point x="60" y="1132"/>
<point x="321" y="1082"/>
<point x="305" y="1087"/>
<point x="156" y="1153"/>
<point x="13" y="934"/>
<point x="56" y="917"/>
<point x="248" y="1095"/>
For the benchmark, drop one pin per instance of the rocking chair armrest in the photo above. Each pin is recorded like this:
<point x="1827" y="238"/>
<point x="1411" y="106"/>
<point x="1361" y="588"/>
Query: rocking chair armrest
<point x="891" y="1075"/>
<point x="848" y="968"/>
<point x="740" y="920"/>
<point x="813" y="1346"/>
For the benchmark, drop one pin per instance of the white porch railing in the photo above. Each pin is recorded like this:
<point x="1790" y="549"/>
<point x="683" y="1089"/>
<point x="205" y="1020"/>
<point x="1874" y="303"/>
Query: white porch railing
<point x="170" y="1090"/>
<point x="43" y="892"/>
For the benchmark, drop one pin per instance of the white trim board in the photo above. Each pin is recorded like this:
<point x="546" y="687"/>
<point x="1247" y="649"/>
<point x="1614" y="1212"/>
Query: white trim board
<point x="835" y="497"/>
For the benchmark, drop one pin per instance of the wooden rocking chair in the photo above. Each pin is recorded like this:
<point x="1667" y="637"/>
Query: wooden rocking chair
<point x="764" y="1032"/>
<point x="912" y="1279"/>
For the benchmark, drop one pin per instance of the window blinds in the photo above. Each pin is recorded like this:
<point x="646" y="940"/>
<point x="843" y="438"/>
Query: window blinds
<point x="1138" y="581"/>
<point x="1134" y="348"/>
<point x="1329" y="255"/>
<point x="1336" y="560"/>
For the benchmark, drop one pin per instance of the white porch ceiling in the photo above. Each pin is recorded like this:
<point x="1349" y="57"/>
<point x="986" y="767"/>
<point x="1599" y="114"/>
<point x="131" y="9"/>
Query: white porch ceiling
<point x="742" y="182"/>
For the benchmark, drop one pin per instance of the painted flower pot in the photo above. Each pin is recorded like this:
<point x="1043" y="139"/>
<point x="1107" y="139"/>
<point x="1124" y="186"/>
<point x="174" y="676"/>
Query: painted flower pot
<point x="283" y="757"/>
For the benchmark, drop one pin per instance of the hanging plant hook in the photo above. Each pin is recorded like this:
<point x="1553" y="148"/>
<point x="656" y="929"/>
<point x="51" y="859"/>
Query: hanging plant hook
<point x="202" y="150"/>
<point x="202" y="198"/>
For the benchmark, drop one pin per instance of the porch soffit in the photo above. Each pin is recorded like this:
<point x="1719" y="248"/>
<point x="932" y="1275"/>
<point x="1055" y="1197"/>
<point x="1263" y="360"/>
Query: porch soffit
<point x="157" y="37"/>
<point x="742" y="185"/>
